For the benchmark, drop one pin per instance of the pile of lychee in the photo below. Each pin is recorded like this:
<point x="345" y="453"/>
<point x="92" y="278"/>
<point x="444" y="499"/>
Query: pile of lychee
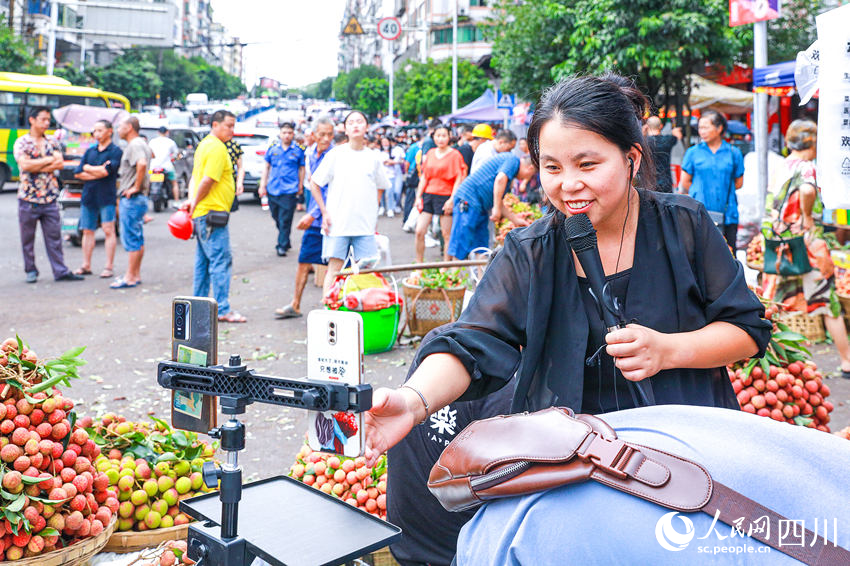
<point x="348" y="479"/>
<point x="52" y="494"/>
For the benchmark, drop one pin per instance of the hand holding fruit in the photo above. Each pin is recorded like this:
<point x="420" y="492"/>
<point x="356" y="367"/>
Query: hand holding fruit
<point x="639" y="352"/>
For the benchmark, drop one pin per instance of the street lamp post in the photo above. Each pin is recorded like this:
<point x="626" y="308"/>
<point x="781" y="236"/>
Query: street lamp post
<point x="454" y="58"/>
<point x="760" y="111"/>
<point x="51" y="38"/>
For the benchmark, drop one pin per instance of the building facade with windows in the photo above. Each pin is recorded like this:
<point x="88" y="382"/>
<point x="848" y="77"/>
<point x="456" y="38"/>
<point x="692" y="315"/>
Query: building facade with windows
<point x="427" y="32"/>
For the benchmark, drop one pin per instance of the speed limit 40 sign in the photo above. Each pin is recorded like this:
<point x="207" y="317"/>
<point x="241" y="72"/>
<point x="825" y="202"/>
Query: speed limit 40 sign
<point x="389" y="28"/>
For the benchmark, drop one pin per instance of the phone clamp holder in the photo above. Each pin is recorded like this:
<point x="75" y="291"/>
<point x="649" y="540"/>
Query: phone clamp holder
<point x="237" y="387"/>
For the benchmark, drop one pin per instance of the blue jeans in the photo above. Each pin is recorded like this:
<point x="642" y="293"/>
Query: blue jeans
<point x="131" y="212"/>
<point x="282" y="207"/>
<point x="213" y="263"/>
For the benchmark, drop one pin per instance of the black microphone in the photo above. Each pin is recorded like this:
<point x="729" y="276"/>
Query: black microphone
<point x="581" y="236"/>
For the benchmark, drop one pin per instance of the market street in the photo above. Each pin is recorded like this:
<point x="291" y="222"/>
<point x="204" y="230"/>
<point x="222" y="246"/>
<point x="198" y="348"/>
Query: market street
<point x="127" y="331"/>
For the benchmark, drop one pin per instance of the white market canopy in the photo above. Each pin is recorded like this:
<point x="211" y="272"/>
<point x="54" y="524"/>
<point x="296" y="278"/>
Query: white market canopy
<point x="706" y="95"/>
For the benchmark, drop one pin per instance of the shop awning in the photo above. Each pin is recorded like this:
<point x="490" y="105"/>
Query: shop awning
<point x="482" y="109"/>
<point x="778" y="75"/>
<point x="706" y="94"/>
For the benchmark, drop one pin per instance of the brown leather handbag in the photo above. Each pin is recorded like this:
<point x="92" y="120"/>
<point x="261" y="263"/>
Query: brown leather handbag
<point x="525" y="453"/>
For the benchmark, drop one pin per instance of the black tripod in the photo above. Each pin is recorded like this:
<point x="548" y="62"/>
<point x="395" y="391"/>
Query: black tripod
<point x="238" y="387"/>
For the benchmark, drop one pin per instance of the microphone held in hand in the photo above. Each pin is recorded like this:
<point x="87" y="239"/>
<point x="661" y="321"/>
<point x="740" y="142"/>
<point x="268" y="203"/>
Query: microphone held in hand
<point x="581" y="236"/>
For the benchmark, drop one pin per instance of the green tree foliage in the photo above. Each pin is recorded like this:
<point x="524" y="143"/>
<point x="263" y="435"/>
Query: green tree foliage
<point x="372" y="95"/>
<point x="177" y="75"/>
<point x="128" y="74"/>
<point x="523" y="61"/>
<point x="215" y="81"/>
<point x="345" y="85"/>
<point x="72" y="74"/>
<point x="321" y="90"/>
<point x="14" y="54"/>
<point x="424" y="90"/>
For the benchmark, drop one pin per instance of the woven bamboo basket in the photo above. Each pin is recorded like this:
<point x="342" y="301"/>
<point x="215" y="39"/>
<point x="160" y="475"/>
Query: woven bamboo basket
<point x="78" y="554"/>
<point x="427" y="308"/>
<point x="131" y="541"/>
<point x="809" y="326"/>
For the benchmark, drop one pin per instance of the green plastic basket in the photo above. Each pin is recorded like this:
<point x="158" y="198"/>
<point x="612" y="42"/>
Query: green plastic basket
<point x="380" y="329"/>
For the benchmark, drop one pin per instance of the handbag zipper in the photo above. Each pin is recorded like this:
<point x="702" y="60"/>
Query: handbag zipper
<point x="496" y="477"/>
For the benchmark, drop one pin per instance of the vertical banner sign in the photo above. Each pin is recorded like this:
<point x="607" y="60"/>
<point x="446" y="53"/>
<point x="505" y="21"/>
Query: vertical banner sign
<point x="834" y="107"/>
<point x="750" y="11"/>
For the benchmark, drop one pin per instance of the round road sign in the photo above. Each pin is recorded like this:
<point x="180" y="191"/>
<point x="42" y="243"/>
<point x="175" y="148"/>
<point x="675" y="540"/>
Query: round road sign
<point x="389" y="28"/>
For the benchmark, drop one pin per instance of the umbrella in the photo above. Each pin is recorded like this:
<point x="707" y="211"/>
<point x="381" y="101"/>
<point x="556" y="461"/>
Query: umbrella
<point x="81" y="119"/>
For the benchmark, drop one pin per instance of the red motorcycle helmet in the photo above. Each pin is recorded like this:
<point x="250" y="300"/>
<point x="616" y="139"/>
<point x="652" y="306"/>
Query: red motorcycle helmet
<point x="180" y="224"/>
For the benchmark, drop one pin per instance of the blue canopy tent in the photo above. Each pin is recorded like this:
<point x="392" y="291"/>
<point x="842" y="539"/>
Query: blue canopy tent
<point x="482" y="109"/>
<point x="780" y="74"/>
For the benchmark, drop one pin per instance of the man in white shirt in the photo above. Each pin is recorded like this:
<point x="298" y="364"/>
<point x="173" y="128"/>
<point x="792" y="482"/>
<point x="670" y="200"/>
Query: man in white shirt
<point x="356" y="180"/>
<point x="164" y="151"/>
<point x="505" y="140"/>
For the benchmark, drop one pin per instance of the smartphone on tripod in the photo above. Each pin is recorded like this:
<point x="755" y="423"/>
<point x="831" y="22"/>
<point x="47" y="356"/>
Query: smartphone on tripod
<point x="335" y="353"/>
<point x="194" y="340"/>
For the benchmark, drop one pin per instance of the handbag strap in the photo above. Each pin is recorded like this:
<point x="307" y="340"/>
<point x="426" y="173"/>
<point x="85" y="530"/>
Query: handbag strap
<point x="794" y="181"/>
<point x="763" y="524"/>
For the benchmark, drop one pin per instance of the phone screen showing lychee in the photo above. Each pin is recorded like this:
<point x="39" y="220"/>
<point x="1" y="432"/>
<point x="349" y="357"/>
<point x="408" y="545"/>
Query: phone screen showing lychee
<point x="335" y="353"/>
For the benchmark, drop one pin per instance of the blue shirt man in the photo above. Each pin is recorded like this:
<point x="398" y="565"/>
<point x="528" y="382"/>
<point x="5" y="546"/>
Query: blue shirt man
<point x="474" y="201"/>
<point x="477" y="189"/>
<point x="713" y="177"/>
<point x="283" y="181"/>
<point x="100" y="192"/>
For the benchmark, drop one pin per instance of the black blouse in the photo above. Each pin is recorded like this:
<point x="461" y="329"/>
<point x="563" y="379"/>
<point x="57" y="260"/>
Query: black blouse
<point x="605" y="388"/>
<point x="527" y="316"/>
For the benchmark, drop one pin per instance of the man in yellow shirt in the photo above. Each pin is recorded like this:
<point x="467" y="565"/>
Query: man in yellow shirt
<point x="211" y="196"/>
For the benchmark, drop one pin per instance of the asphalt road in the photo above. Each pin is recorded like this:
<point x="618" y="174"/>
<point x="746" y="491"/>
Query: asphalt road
<point x="128" y="331"/>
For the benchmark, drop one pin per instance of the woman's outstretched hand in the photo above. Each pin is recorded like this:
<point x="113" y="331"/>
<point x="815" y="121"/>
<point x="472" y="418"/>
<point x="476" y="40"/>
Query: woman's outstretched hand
<point x="387" y="422"/>
<point x="639" y="352"/>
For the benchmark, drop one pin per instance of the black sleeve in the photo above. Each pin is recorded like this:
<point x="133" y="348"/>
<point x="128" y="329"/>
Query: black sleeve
<point x="668" y="142"/>
<point x="489" y="334"/>
<point x="728" y="298"/>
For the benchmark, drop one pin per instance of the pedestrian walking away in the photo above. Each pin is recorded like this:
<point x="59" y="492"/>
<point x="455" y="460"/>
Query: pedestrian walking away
<point x="712" y="172"/>
<point x="283" y="181"/>
<point x="133" y="185"/>
<point x="39" y="157"/>
<point x="164" y="153"/>
<point x="479" y="196"/>
<point x="211" y="196"/>
<point x="356" y="180"/>
<point x="443" y="170"/>
<point x="393" y="156"/>
<point x="660" y="145"/>
<point x="99" y="170"/>
<point x="310" y="252"/>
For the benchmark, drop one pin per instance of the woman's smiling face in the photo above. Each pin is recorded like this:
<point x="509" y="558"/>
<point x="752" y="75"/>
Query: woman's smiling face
<point x="582" y="172"/>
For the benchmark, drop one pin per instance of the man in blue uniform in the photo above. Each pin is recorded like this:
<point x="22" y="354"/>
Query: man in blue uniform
<point x="283" y="182"/>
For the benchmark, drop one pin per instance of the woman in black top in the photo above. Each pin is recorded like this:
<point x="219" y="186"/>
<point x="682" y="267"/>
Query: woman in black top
<point x="530" y="316"/>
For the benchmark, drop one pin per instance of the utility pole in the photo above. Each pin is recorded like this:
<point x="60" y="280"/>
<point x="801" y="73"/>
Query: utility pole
<point x="392" y="77"/>
<point x="51" y="41"/>
<point x="454" y="58"/>
<point x="12" y="14"/>
<point x="760" y="111"/>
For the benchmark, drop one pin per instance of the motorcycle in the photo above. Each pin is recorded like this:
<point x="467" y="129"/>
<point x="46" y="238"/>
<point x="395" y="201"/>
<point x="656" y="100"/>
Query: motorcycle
<point x="160" y="189"/>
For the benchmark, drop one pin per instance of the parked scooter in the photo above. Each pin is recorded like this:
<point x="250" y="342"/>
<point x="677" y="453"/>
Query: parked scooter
<point x="160" y="189"/>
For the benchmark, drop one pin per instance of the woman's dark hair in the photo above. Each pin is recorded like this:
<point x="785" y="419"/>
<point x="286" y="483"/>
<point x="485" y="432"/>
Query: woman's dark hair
<point x="717" y="119"/>
<point x="353" y="112"/>
<point x="609" y="105"/>
<point x="442" y="127"/>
